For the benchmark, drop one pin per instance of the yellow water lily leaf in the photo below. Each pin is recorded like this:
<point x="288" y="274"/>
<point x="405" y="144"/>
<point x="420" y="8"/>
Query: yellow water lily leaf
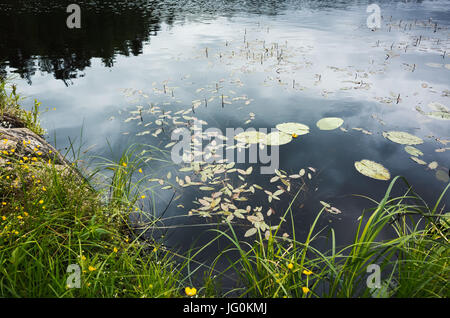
<point x="329" y="123"/>
<point x="293" y="128"/>
<point x="402" y="137"/>
<point x="372" y="169"/>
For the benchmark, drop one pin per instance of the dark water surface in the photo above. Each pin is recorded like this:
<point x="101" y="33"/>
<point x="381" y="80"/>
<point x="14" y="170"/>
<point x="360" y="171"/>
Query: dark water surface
<point x="128" y="52"/>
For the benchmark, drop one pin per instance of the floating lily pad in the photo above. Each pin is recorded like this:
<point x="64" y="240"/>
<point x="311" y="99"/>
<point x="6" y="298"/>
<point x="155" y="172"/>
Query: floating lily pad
<point x="442" y="175"/>
<point x="293" y="128"/>
<point x="277" y="138"/>
<point x="372" y="169"/>
<point x="433" y="64"/>
<point x="251" y="137"/>
<point x="402" y="137"/>
<point x="433" y="165"/>
<point x="413" y="151"/>
<point x="329" y="123"/>
<point x="441" y="111"/>
<point x="419" y="161"/>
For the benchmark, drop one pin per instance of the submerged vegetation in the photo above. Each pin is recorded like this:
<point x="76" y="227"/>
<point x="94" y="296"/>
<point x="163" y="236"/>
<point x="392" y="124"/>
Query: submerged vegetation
<point x="51" y="218"/>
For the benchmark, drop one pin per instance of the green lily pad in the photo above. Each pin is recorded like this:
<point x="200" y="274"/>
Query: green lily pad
<point x="442" y="175"/>
<point x="441" y="111"/>
<point x="433" y="165"/>
<point x="277" y="138"/>
<point x="402" y="137"/>
<point x="251" y="137"/>
<point x="413" y="151"/>
<point x="419" y="161"/>
<point x="372" y="169"/>
<point x="329" y="123"/>
<point x="293" y="128"/>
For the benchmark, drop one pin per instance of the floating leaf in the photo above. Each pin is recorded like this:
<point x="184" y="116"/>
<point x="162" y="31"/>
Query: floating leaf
<point x="251" y="137"/>
<point x="250" y="232"/>
<point x="207" y="188"/>
<point x="433" y="64"/>
<point x="433" y="165"/>
<point x="413" y="151"/>
<point x="329" y="123"/>
<point x="277" y="138"/>
<point x="419" y="161"/>
<point x="293" y="128"/>
<point x="402" y="137"/>
<point x="442" y="175"/>
<point x="441" y="111"/>
<point x="372" y="169"/>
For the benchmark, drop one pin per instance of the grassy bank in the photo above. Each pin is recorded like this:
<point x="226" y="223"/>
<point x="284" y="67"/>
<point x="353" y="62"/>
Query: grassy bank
<point x="51" y="218"/>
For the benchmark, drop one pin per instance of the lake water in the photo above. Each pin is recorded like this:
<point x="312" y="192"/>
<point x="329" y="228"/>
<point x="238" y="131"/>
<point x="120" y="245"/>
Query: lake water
<point x="273" y="62"/>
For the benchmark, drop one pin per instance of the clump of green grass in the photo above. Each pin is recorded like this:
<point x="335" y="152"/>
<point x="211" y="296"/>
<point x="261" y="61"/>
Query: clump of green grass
<point x="11" y="110"/>
<point x="50" y="218"/>
<point x="414" y="263"/>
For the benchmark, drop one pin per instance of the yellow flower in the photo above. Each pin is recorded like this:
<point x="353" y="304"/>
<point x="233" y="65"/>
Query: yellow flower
<point x="155" y="249"/>
<point x="25" y="213"/>
<point x="115" y="250"/>
<point x="83" y="258"/>
<point x="294" y="135"/>
<point x="140" y="170"/>
<point x="41" y="201"/>
<point x="190" y="291"/>
<point x="124" y="164"/>
<point x="142" y="196"/>
<point x="25" y="158"/>
<point x="305" y="289"/>
<point x="3" y="203"/>
<point x="44" y="188"/>
<point x="19" y="217"/>
<point x="307" y="272"/>
<point x="91" y="268"/>
<point x="290" y="266"/>
<point x="4" y="218"/>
